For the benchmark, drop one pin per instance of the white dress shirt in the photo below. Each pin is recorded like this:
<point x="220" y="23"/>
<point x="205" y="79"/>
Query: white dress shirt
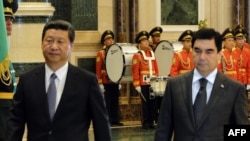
<point x="196" y="84"/>
<point x="59" y="81"/>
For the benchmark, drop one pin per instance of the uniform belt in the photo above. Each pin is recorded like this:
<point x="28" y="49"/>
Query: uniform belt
<point x="230" y="72"/>
<point x="183" y="71"/>
<point x="6" y="95"/>
<point x="146" y="72"/>
<point x="242" y="70"/>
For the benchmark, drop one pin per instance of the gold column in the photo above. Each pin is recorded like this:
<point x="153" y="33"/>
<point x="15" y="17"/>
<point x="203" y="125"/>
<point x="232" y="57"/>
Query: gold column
<point x="125" y="21"/>
<point x="241" y="13"/>
<point x="247" y="17"/>
<point x="133" y="20"/>
<point x="238" y="12"/>
<point x="121" y="21"/>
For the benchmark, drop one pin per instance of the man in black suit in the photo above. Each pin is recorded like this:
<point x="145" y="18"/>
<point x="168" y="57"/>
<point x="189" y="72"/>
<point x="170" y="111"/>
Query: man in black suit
<point x="225" y="103"/>
<point x="78" y="102"/>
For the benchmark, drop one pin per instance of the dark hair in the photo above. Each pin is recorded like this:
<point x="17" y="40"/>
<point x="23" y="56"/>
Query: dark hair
<point x="60" y="24"/>
<point x="208" y="33"/>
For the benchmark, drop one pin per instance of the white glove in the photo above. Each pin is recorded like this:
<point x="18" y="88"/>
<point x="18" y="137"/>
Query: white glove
<point x="248" y="87"/>
<point x="120" y="86"/>
<point x="102" y="88"/>
<point x="138" y="89"/>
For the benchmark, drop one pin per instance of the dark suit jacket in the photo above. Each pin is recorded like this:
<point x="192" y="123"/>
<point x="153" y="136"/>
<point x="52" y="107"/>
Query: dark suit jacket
<point x="227" y="105"/>
<point x="80" y="103"/>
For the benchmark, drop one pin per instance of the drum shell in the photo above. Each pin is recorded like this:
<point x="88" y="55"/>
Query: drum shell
<point x="158" y="85"/>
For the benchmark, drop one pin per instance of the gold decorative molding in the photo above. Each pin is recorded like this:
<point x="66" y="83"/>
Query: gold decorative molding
<point x="35" y="9"/>
<point x="87" y="47"/>
<point x="202" y="23"/>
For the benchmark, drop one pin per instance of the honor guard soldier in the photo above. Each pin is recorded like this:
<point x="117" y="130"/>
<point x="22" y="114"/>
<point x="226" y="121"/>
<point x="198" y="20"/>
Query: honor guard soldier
<point x="8" y="81"/>
<point x="228" y="63"/>
<point x="155" y="34"/>
<point x="144" y="66"/>
<point x="110" y="89"/>
<point x="244" y="32"/>
<point x="242" y="48"/>
<point x="182" y="60"/>
<point x="243" y="52"/>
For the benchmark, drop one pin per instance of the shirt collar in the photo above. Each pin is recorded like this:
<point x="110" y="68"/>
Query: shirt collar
<point x="59" y="73"/>
<point x="210" y="77"/>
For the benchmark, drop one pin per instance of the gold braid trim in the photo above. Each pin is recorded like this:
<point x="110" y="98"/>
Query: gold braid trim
<point x="228" y="62"/>
<point x="5" y="75"/>
<point x="185" y="65"/>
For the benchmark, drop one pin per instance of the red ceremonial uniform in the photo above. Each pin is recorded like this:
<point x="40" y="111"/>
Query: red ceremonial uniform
<point x="243" y="64"/>
<point x="182" y="62"/>
<point x="243" y="55"/>
<point x="143" y="67"/>
<point x="228" y="63"/>
<point x="100" y="68"/>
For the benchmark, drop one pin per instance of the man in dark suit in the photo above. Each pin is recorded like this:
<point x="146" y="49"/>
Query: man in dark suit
<point x="225" y="99"/>
<point x="78" y="101"/>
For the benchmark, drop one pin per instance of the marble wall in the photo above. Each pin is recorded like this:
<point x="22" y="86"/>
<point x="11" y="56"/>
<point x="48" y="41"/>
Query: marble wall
<point x="26" y="37"/>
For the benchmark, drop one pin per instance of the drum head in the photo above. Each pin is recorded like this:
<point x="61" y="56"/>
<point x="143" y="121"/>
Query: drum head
<point x="114" y="62"/>
<point x="164" y="53"/>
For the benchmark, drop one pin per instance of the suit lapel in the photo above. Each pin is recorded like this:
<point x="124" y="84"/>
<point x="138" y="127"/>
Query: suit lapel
<point x="41" y="94"/>
<point x="186" y="85"/>
<point x="68" y="83"/>
<point x="217" y="91"/>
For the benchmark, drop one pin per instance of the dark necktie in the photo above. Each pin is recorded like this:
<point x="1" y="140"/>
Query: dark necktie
<point x="200" y="101"/>
<point x="52" y="95"/>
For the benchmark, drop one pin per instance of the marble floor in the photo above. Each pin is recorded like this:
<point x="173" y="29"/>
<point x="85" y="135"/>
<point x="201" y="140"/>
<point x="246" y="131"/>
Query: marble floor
<point x="131" y="131"/>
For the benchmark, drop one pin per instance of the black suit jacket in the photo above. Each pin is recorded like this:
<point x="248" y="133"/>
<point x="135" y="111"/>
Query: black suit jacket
<point x="227" y="105"/>
<point x="81" y="102"/>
